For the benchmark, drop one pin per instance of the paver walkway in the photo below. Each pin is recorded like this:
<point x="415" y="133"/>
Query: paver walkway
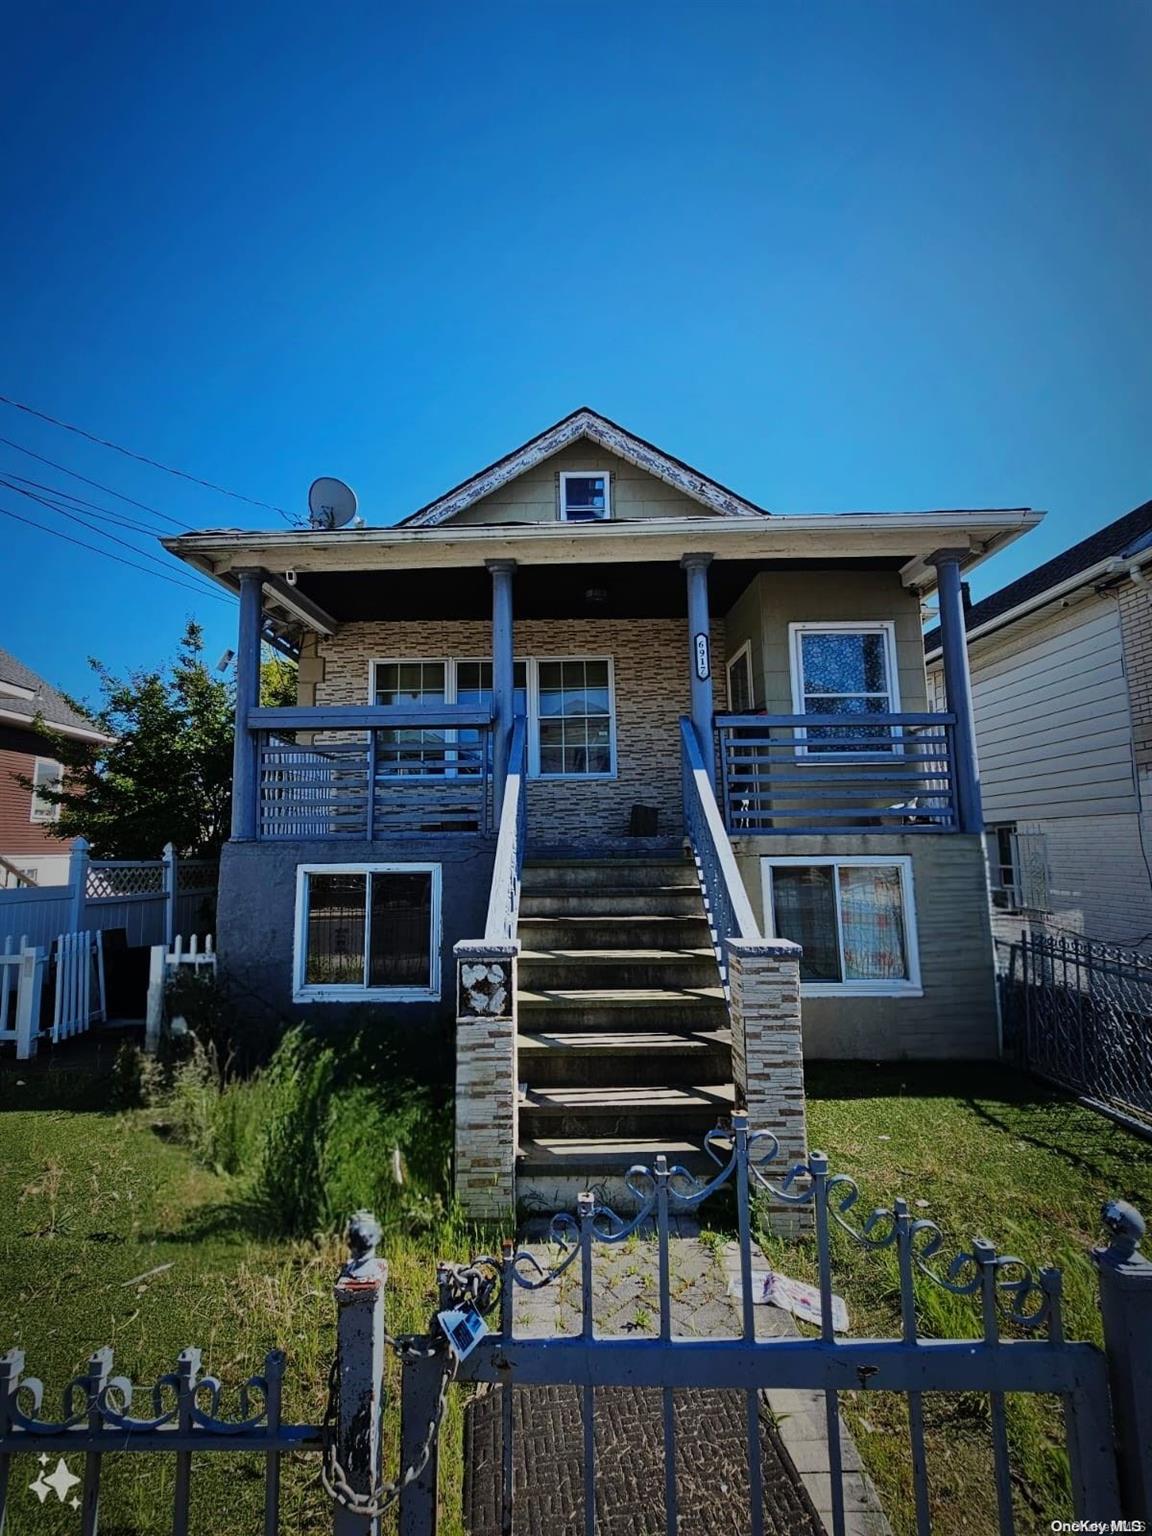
<point x="712" y="1473"/>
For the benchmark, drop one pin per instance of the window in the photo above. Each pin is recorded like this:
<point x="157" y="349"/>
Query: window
<point x="574" y="718"/>
<point x="1004" y="866"/>
<point x="844" y="669"/>
<point x="367" y="931"/>
<point x="741" y="698"/>
<point x="49" y="775"/>
<point x="585" y="497"/>
<point x="854" y="917"/>
<point x="568" y="702"/>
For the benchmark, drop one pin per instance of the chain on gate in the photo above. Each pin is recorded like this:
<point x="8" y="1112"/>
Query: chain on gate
<point x="469" y="1288"/>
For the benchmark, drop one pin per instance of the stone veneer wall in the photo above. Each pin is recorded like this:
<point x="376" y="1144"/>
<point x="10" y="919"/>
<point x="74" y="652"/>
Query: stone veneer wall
<point x="768" y="1057"/>
<point x="487" y="1133"/>
<point x="651" y="676"/>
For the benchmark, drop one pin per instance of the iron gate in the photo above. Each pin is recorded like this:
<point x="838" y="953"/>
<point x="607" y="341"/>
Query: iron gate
<point x="1106" y="1396"/>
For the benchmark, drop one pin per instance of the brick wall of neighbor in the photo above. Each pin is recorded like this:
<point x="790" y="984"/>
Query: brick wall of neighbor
<point x="1135" y="603"/>
<point x="652" y="692"/>
<point x="956" y="1015"/>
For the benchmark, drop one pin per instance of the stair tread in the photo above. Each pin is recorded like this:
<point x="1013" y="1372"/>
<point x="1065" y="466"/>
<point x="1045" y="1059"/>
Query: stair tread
<point x="607" y="1041"/>
<point x="623" y="920"/>
<point x="604" y="1154"/>
<point x="624" y="997"/>
<point x="672" y="888"/>
<point x="652" y="1098"/>
<point x="618" y="956"/>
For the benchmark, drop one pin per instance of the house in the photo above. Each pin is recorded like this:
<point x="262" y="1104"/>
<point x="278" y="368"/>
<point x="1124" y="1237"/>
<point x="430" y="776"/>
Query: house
<point x="519" y="705"/>
<point x="1061" y="664"/>
<point x="29" y="852"/>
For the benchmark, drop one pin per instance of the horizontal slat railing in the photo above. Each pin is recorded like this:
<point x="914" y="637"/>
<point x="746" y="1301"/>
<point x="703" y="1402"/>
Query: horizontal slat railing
<point x="372" y="772"/>
<point x="821" y="773"/>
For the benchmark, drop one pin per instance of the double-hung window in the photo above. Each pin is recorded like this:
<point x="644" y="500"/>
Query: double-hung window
<point x="46" y="774"/>
<point x="568" y="702"/>
<point x="367" y="931"/>
<point x="585" y="497"/>
<point x="846" y="670"/>
<point x="855" y="919"/>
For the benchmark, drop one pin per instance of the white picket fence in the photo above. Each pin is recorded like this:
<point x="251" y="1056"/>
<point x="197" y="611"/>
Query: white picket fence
<point x="75" y="966"/>
<point x="165" y="963"/>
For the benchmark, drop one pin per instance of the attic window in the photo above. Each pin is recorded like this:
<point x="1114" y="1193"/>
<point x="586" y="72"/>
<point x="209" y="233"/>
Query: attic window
<point x="585" y="497"/>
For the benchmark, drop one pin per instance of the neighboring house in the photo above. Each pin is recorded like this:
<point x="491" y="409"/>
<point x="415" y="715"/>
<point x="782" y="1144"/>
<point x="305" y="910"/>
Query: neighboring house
<point x="1061" y="664"/>
<point x="600" y="591"/>
<point x="28" y="850"/>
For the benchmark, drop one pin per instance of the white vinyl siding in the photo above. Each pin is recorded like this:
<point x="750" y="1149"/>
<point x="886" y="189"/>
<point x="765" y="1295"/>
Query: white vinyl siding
<point x="1053" y="723"/>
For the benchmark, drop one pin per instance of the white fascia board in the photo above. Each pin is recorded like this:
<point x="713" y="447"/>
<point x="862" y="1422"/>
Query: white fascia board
<point x="77" y="732"/>
<point x="731" y="537"/>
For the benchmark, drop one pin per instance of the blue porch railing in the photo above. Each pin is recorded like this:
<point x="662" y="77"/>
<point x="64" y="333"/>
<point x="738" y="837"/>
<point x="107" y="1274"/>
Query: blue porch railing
<point x="825" y="773"/>
<point x="726" y="901"/>
<point x="371" y="772"/>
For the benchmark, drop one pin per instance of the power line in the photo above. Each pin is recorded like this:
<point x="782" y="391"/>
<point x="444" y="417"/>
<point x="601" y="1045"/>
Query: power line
<point x="108" y="555"/>
<point x="103" y="532"/>
<point x="96" y="484"/>
<point x="55" y="494"/>
<point x="141" y="458"/>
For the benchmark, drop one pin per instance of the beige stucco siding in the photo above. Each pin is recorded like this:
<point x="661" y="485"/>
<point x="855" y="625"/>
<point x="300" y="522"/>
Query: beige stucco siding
<point x="777" y="599"/>
<point x="1053" y="724"/>
<point x="955" y="1018"/>
<point x="533" y="497"/>
<point x="651" y="682"/>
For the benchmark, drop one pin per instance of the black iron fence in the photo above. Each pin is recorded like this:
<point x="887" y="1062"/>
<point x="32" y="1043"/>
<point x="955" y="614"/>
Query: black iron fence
<point x="1078" y="1012"/>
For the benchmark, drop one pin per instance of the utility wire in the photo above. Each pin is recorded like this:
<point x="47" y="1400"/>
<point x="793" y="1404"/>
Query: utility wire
<point x="103" y="532"/>
<point x="108" y="555"/>
<point x="73" y="503"/>
<point x="96" y="484"/>
<point x="141" y="458"/>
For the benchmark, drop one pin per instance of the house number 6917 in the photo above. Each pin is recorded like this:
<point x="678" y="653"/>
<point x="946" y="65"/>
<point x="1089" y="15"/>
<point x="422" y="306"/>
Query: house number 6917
<point x="703" y="668"/>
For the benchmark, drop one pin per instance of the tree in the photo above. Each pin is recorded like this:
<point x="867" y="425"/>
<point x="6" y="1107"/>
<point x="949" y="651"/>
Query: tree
<point x="167" y="775"/>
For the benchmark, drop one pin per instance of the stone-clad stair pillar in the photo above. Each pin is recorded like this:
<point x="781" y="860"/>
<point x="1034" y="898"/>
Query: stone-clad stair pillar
<point x="486" y="1089"/>
<point x="768" y="1054"/>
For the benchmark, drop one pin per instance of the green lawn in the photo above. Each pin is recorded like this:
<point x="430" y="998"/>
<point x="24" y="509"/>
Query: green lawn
<point x="112" y="1234"/>
<point x="983" y="1153"/>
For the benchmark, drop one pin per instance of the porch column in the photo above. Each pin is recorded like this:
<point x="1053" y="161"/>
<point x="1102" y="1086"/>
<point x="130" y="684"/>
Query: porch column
<point x="700" y="656"/>
<point x="958" y="687"/>
<point x="503" y="676"/>
<point x="244" y="789"/>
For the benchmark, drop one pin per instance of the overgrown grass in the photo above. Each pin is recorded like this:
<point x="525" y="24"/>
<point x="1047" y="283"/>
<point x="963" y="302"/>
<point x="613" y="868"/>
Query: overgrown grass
<point x="984" y="1153"/>
<point x="209" y="1219"/>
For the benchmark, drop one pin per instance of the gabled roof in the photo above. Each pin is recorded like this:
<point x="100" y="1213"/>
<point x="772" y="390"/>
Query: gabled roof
<point x="585" y="423"/>
<point x="24" y="695"/>
<point x="1124" y="538"/>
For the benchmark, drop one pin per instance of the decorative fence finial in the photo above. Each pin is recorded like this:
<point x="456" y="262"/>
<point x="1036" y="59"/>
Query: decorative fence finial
<point x="362" y="1236"/>
<point x="1127" y="1227"/>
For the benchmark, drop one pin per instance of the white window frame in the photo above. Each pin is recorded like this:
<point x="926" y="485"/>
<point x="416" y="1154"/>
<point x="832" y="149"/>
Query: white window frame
<point x="744" y="654"/>
<point x="340" y="992"/>
<point x="912" y="986"/>
<point x="585" y="474"/>
<point x="42" y="813"/>
<point x="796" y="631"/>
<point x="532" y="682"/>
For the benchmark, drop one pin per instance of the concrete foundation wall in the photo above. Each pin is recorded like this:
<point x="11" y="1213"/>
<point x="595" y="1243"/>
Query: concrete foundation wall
<point x="955" y="1017"/>
<point x="256" y="923"/>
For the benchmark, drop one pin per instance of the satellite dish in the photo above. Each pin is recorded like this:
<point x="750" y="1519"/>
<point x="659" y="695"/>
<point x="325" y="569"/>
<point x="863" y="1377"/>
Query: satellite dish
<point x="331" y="503"/>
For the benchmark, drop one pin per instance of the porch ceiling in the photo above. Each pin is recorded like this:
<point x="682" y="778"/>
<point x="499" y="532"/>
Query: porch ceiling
<point x="643" y="590"/>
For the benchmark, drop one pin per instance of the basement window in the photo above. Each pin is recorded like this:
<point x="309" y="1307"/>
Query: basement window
<point x="855" y="919"/>
<point x="367" y="931"/>
<point x="585" y="497"/>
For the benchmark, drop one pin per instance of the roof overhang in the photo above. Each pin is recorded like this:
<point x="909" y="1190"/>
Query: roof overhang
<point x="75" y="732"/>
<point x="905" y="537"/>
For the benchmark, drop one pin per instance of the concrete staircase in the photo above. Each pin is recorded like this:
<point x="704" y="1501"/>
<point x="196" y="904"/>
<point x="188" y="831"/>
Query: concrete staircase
<point x="624" y="1047"/>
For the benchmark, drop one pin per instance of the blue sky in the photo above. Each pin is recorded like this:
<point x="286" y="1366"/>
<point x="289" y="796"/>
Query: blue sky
<point x="840" y="256"/>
